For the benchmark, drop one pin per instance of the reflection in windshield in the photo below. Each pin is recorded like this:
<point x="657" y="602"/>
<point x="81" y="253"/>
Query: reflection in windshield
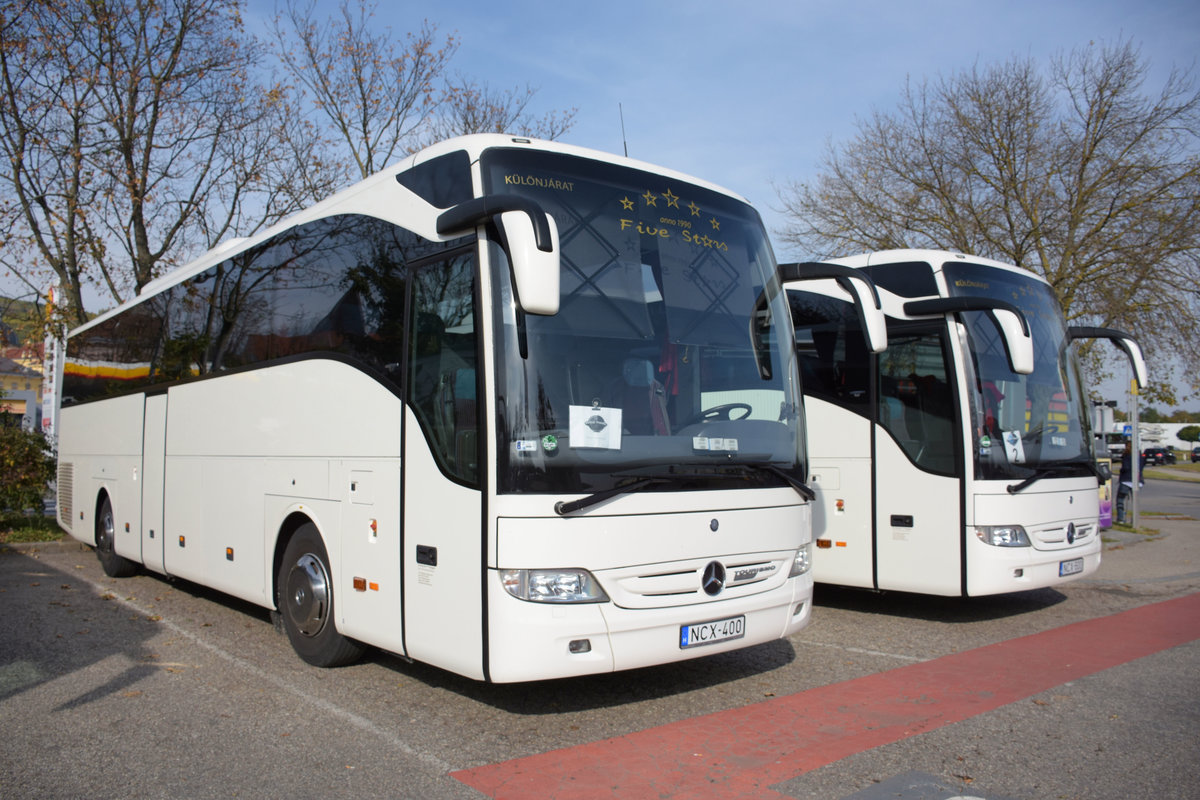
<point x="1021" y="422"/>
<point x="650" y="360"/>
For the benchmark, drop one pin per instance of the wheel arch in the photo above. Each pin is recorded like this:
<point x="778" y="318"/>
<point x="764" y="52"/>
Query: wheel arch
<point x="293" y="522"/>
<point x="101" y="495"/>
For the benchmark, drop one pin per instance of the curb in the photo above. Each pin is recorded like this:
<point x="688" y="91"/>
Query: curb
<point x="59" y="546"/>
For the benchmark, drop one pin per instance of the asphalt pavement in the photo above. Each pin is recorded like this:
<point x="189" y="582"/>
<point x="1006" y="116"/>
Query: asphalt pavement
<point x="152" y="688"/>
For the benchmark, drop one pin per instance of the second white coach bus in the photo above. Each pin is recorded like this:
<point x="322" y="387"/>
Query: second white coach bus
<point x="960" y="461"/>
<point x="515" y="409"/>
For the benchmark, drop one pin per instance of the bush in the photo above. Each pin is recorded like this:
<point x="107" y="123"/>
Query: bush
<point x="26" y="468"/>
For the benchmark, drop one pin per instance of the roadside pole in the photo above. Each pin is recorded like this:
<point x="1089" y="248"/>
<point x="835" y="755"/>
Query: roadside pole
<point x="1137" y="448"/>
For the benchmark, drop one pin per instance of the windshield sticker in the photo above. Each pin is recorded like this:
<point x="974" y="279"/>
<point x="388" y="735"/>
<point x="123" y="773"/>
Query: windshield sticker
<point x="1014" y="448"/>
<point x="594" y="426"/>
<point x="714" y="444"/>
<point x="525" y="446"/>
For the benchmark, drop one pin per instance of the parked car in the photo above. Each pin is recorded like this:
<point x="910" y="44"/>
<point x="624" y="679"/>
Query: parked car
<point x="1195" y="454"/>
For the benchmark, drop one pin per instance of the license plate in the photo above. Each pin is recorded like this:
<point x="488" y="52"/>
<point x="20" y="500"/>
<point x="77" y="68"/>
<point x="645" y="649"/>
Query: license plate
<point x="1072" y="567"/>
<point x="720" y="630"/>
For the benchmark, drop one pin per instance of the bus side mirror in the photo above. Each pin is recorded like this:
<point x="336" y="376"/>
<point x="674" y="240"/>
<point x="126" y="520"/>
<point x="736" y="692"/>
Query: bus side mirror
<point x="854" y="282"/>
<point x="1014" y="328"/>
<point x="535" y="271"/>
<point x="1017" y="340"/>
<point x="530" y="238"/>
<point x="1128" y="345"/>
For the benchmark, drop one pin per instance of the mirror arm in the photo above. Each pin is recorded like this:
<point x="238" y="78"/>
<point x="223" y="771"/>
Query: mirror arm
<point x="952" y="305"/>
<point x="481" y="209"/>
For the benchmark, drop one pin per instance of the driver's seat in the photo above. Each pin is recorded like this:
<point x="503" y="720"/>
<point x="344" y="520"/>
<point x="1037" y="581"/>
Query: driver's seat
<point x="642" y="400"/>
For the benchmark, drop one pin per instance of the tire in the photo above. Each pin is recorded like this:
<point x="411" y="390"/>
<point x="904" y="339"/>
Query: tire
<point x="306" y="603"/>
<point x="115" y="566"/>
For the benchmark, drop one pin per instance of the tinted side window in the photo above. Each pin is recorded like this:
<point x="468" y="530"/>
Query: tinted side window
<point x="916" y="401"/>
<point x="443" y="363"/>
<point x="443" y="182"/>
<point x="832" y="351"/>
<point x="336" y="285"/>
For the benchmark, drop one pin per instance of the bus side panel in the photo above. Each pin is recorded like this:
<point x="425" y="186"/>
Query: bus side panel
<point x="840" y="443"/>
<point x="277" y="434"/>
<point x="102" y="441"/>
<point x="443" y="563"/>
<point x="369" y="599"/>
<point x="919" y="525"/>
<point x="154" y="448"/>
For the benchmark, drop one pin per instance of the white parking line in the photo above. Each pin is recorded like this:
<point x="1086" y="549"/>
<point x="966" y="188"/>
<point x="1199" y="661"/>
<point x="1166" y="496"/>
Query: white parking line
<point x="864" y="651"/>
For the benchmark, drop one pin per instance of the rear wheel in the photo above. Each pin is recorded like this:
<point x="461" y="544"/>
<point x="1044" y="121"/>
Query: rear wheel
<point x="306" y="603"/>
<point x="115" y="566"/>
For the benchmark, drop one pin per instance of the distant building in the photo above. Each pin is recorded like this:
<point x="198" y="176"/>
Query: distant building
<point x="20" y="394"/>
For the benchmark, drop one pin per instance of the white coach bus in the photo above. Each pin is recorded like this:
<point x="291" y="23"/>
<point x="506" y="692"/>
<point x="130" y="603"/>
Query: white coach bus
<point x="960" y="461"/>
<point x="515" y="409"/>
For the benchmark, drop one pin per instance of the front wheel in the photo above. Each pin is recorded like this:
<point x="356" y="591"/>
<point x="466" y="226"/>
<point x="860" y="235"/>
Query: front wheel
<point x="115" y="566"/>
<point x="306" y="603"/>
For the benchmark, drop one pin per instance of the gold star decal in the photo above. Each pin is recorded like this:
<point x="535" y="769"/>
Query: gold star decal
<point x="695" y="209"/>
<point x="716" y="225"/>
<point x="672" y="199"/>
<point x="626" y="204"/>
<point x="650" y="199"/>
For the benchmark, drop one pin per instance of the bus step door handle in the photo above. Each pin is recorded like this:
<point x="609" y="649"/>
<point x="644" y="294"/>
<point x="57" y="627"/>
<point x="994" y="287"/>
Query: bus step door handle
<point x="902" y="520"/>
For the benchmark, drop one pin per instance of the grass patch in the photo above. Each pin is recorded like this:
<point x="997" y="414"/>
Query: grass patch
<point x="1175" y="472"/>
<point x="17" y="527"/>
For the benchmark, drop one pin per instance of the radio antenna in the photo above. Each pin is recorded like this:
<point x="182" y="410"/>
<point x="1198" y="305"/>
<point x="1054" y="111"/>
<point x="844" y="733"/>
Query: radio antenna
<point x="621" y="111"/>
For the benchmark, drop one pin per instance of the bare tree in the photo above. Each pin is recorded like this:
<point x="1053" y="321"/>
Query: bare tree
<point x="374" y="100"/>
<point x="1077" y="173"/>
<point x="471" y="107"/>
<point x="368" y="97"/>
<point x="133" y="134"/>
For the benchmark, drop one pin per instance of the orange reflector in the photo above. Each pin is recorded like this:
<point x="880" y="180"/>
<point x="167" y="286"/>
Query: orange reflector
<point x="229" y="554"/>
<point x="181" y="541"/>
<point x="824" y="544"/>
<point x="360" y="584"/>
<point x="127" y="527"/>
<point x="841" y="544"/>
<point x="374" y="586"/>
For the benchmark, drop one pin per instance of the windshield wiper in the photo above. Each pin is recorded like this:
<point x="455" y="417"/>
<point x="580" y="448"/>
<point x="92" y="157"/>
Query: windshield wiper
<point x="1051" y="471"/>
<point x="564" y="507"/>
<point x="802" y="488"/>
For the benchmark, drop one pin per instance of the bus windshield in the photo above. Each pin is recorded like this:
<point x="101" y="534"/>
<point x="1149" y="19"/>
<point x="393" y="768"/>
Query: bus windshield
<point x="1022" y="424"/>
<point x="663" y="365"/>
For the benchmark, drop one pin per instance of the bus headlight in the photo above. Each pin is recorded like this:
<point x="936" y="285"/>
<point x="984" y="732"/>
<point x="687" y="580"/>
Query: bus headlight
<point x="552" y="585"/>
<point x="802" y="563"/>
<point x="1003" y="535"/>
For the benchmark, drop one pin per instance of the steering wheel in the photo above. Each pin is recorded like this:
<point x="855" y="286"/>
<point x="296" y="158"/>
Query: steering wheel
<point x="721" y="412"/>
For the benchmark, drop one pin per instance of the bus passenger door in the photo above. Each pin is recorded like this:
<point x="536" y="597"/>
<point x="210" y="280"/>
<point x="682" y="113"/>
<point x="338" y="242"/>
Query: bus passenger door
<point x="918" y="466"/>
<point x="154" y="447"/>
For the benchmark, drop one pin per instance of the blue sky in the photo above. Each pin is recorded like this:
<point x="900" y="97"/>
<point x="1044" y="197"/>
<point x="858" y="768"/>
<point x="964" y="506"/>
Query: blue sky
<point x="746" y="94"/>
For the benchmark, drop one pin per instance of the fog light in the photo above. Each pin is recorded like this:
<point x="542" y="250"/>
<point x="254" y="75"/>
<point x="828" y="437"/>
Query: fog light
<point x="577" y="646"/>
